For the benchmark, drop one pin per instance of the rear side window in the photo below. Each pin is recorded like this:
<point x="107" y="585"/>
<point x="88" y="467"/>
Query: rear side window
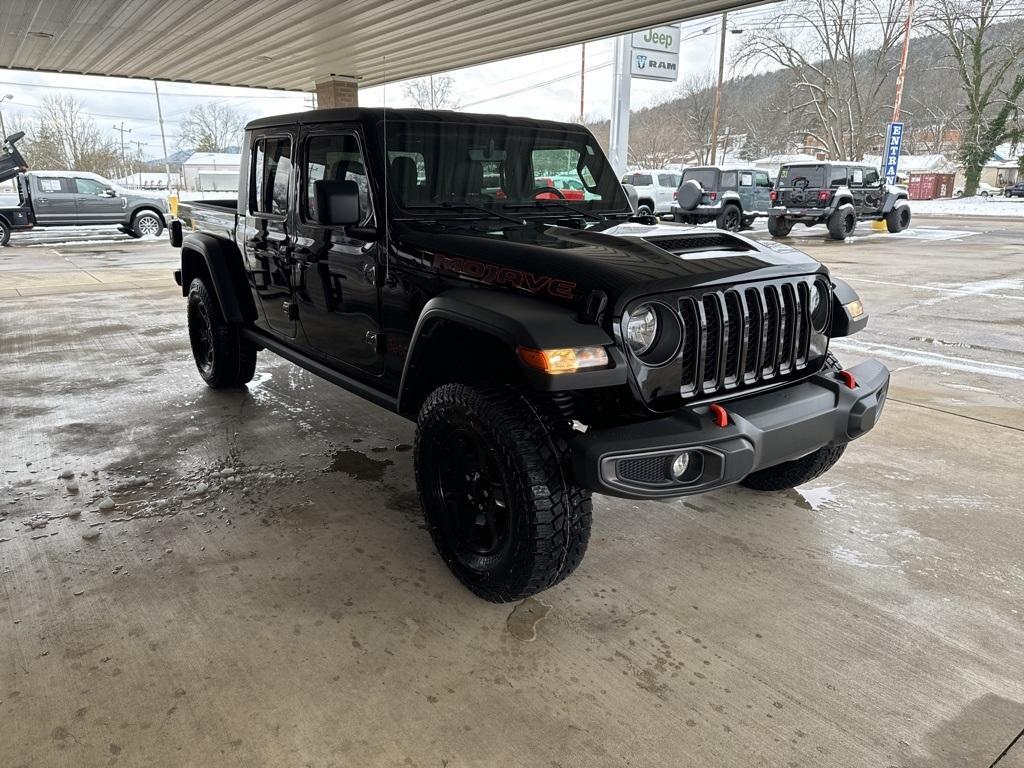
<point x="728" y="179"/>
<point x="639" y="179"/>
<point x="802" y="175"/>
<point x="271" y="170"/>
<point x="52" y="185"/>
<point x="335" y="157"/>
<point x="667" y="180"/>
<point x="840" y="176"/>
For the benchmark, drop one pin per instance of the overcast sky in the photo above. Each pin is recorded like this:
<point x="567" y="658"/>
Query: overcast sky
<point x="543" y="85"/>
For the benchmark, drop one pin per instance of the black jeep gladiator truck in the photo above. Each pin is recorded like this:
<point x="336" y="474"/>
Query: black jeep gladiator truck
<point x="838" y="195"/>
<point x="546" y="349"/>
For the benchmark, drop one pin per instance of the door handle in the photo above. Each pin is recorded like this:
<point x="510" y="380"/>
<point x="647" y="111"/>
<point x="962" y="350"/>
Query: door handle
<point x="42" y="199"/>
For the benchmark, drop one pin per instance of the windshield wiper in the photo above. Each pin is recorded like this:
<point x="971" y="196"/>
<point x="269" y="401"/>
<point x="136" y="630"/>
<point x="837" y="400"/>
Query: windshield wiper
<point x="560" y="204"/>
<point x="449" y="206"/>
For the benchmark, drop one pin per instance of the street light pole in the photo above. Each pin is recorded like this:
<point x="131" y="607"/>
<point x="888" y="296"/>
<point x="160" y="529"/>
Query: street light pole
<point x="718" y="93"/>
<point x="902" y="73"/>
<point x="163" y="136"/>
<point x="3" y="130"/>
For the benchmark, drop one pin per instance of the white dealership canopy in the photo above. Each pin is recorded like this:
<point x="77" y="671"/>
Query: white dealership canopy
<point x="290" y="44"/>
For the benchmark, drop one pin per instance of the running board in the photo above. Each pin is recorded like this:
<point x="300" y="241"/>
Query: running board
<point x="317" y="368"/>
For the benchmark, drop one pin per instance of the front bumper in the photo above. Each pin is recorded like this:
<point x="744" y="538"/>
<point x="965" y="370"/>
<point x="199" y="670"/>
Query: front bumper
<point x="763" y="430"/>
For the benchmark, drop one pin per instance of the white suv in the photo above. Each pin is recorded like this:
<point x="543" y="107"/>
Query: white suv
<point x="655" y="189"/>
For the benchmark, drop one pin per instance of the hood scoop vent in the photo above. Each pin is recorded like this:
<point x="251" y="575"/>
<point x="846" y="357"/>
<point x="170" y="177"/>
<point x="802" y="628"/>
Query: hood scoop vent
<point x="712" y="241"/>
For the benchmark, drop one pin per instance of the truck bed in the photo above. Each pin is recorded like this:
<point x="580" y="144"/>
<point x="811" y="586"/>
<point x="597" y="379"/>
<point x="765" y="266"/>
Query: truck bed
<point x="214" y="217"/>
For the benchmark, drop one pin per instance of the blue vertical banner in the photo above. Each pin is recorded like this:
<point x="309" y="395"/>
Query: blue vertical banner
<point x="893" y="142"/>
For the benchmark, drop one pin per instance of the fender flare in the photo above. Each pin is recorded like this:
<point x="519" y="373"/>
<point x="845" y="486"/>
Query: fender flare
<point x="515" y="321"/>
<point x="892" y="199"/>
<point x="223" y="263"/>
<point x="843" y="322"/>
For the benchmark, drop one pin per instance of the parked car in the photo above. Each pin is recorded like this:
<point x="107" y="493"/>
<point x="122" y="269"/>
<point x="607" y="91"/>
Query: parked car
<point x="731" y="197"/>
<point x="655" y="190"/>
<point x="568" y="188"/>
<point x="546" y="349"/>
<point x="984" y="190"/>
<point x="837" y="194"/>
<point x="78" y="198"/>
<point x="1016" y="190"/>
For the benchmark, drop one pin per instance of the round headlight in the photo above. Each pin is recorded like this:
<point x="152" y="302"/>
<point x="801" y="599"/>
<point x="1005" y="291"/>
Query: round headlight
<point x="819" y="305"/>
<point x="642" y="329"/>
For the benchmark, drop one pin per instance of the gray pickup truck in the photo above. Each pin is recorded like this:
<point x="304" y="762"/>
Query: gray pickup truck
<point x="72" y="199"/>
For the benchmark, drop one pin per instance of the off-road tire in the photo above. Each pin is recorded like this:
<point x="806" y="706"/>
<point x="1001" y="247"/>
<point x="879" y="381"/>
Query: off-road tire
<point x="730" y="219"/>
<point x="144" y="222"/>
<point x="898" y="219"/>
<point x="231" y="362"/>
<point x="748" y="221"/>
<point x="548" y="515"/>
<point x="643" y="209"/>
<point x="842" y="222"/>
<point x="5" y="233"/>
<point x="790" y="474"/>
<point x="779" y="226"/>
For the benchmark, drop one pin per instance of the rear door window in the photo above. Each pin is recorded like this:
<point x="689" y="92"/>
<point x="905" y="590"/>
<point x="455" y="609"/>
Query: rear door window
<point x="746" y="179"/>
<point x="271" y="172"/>
<point x="667" y="180"/>
<point x="53" y="185"/>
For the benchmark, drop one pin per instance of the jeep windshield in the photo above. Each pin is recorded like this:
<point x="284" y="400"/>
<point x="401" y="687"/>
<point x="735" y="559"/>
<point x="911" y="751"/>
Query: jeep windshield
<point x="803" y="176"/>
<point x="454" y="169"/>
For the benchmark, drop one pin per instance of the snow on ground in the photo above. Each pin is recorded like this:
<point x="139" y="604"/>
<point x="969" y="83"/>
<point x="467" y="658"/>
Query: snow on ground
<point x="970" y="206"/>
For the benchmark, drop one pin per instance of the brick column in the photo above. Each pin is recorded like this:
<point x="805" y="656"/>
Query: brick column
<point x="337" y="91"/>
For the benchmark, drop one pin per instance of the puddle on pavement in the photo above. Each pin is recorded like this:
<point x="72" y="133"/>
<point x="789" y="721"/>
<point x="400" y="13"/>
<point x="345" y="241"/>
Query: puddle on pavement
<point x="522" y="622"/>
<point x="813" y="499"/>
<point x="358" y="465"/>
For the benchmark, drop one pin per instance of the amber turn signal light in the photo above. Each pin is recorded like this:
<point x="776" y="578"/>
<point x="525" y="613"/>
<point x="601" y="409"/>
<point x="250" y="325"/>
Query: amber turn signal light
<point x="855" y="308"/>
<point x="569" y="360"/>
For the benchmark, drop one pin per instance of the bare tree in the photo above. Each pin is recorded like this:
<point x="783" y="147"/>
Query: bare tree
<point x="433" y="92"/>
<point x="64" y="137"/>
<point x="653" y="141"/>
<point x="988" y="61"/>
<point x="838" y="53"/>
<point x="693" y="118"/>
<point x="212" y="127"/>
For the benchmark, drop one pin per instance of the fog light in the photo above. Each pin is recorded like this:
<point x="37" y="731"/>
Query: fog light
<point x="679" y="465"/>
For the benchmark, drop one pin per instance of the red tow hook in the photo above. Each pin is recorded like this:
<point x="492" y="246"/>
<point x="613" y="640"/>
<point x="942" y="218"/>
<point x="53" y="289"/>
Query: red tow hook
<point x="847" y="379"/>
<point x="719" y="414"/>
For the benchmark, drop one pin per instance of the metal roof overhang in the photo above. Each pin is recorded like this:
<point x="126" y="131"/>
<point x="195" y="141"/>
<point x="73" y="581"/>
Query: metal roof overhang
<point x="289" y="45"/>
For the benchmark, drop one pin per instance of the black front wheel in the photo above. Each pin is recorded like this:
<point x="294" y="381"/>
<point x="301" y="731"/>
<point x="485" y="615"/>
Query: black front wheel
<point x="5" y="233"/>
<point x="493" y="474"/>
<point x="898" y="219"/>
<point x="224" y="358"/>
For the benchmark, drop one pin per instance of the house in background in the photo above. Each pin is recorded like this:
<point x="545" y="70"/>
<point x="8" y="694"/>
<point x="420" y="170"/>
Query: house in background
<point x="211" y="172"/>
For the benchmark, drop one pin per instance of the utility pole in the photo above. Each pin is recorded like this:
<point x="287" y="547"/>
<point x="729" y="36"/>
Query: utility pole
<point x="583" y="76"/>
<point x="163" y="136"/>
<point x="123" y="131"/>
<point x="718" y="94"/>
<point x="902" y="73"/>
<point x="618" y="143"/>
<point x="138" y="154"/>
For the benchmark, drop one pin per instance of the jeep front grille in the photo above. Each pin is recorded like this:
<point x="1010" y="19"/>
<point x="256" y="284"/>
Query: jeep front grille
<point x="740" y="337"/>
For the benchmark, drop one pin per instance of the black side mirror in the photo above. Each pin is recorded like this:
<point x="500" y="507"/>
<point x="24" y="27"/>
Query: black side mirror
<point x="337" y="202"/>
<point x="109" y="192"/>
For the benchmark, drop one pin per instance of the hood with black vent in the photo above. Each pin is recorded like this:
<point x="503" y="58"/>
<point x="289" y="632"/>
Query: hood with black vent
<point x="624" y="260"/>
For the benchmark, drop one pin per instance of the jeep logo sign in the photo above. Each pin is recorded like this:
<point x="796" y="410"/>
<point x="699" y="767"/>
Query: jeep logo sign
<point x="655" y="54"/>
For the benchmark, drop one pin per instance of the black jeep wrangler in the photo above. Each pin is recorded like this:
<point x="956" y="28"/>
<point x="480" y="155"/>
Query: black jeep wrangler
<point x="546" y="349"/>
<point x="835" y="194"/>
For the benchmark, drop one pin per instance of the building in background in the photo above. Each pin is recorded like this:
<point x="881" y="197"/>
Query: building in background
<point x="211" y="172"/>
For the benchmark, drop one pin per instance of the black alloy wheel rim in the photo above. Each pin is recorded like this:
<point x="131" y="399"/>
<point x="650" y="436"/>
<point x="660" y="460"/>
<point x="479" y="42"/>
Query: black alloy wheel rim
<point x="201" y="336"/>
<point x="475" y="515"/>
<point x="732" y="220"/>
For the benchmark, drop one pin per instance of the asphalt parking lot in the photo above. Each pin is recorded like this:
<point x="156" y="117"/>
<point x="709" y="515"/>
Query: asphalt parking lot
<point x="263" y="591"/>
